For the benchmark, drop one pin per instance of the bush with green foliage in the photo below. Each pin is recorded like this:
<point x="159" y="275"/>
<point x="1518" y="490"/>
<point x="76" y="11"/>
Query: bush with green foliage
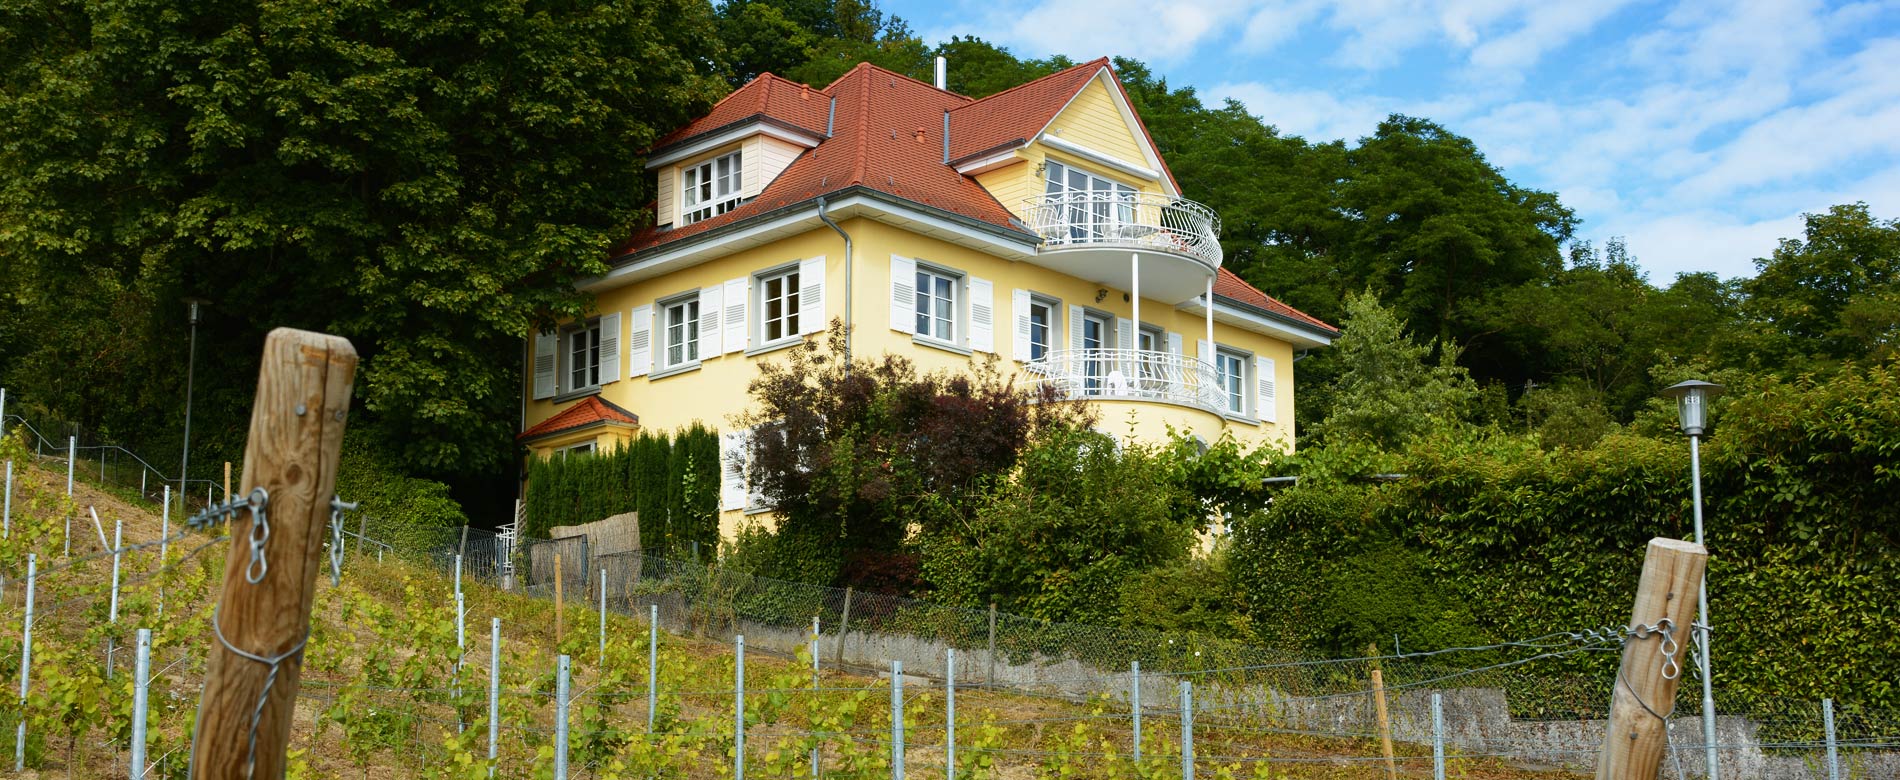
<point x="406" y="512"/>
<point x="1489" y="537"/>
<point x="853" y="454"/>
<point x="672" y="481"/>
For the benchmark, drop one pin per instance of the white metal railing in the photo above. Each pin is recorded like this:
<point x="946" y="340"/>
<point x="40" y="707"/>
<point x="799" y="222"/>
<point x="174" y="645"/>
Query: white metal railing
<point x="1133" y="219"/>
<point x="1129" y="374"/>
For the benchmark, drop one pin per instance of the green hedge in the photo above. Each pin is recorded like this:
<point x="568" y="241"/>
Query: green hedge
<point x="405" y="512"/>
<point x="1495" y="539"/>
<point x="672" y="481"/>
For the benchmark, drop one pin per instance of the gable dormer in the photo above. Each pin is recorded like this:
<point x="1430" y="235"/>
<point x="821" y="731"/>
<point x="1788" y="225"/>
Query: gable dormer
<point x="729" y="156"/>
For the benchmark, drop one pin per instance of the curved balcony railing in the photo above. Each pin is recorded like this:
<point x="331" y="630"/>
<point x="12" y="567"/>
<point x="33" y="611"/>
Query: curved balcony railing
<point x="1131" y="375"/>
<point x="1131" y="219"/>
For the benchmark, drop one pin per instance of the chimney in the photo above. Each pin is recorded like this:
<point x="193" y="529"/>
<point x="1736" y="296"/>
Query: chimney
<point x="943" y="73"/>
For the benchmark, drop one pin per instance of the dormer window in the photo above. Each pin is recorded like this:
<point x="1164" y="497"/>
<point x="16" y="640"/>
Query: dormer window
<point x="711" y="188"/>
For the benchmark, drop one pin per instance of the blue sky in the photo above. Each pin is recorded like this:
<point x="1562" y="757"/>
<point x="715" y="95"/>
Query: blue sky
<point x="1698" y="131"/>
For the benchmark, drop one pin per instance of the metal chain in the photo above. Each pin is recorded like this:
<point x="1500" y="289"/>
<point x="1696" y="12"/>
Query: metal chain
<point x="1666" y="629"/>
<point x="257" y="502"/>
<point x="257" y="713"/>
<point x="337" y="507"/>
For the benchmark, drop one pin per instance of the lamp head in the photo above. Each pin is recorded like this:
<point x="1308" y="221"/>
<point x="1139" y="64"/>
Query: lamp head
<point x="1692" y="407"/>
<point x="193" y="306"/>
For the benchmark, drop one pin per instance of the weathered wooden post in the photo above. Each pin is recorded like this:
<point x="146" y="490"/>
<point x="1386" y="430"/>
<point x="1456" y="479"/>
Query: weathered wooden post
<point x="1384" y="721"/>
<point x="1645" y="692"/>
<point x="270" y="576"/>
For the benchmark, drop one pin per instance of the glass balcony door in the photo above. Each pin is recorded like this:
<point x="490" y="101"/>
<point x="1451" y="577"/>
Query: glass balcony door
<point x="1095" y="330"/>
<point x="1093" y="208"/>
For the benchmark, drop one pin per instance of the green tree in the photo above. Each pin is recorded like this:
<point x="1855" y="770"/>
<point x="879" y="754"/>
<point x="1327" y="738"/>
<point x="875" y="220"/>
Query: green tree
<point x="428" y="180"/>
<point x="1833" y="294"/>
<point x="1389" y="391"/>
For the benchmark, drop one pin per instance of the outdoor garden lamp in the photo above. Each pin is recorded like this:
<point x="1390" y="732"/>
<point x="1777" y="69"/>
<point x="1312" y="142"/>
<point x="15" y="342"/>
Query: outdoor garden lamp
<point x="1692" y="407"/>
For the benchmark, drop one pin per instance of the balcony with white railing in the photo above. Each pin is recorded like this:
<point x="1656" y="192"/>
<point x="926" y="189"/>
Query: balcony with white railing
<point x="1129" y="375"/>
<point x="1092" y="235"/>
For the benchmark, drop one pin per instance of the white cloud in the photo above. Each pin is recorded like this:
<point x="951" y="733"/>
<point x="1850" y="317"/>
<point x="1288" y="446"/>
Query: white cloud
<point x="1702" y="240"/>
<point x="1311" y="114"/>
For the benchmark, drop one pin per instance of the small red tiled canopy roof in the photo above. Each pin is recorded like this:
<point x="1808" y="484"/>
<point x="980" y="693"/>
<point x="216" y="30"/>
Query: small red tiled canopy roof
<point x="591" y="411"/>
<point x="1228" y="285"/>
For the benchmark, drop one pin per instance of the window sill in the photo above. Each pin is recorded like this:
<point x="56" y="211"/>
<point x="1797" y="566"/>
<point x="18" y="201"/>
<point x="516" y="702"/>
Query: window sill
<point x="926" y="341"/>
<point x="575" y="395"/>
<point x="776" y="346"/>
<point x="1240" y="418"/>
<point x="751" y="510"/>
<point x="673" y="371"/>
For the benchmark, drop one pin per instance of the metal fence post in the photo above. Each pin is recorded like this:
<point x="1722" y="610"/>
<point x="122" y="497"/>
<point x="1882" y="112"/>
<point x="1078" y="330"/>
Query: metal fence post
<point x="653" y="664"/>
<point x="815" y="627"/>
<point x="1134" y="707"/>
<point x="603" y="614"/>
<point x="494" y="691"/>
<point x="72" y="450"/>
<point x="950" y="714"/>
<point x="1187" y="730"/>
<point x="560" y="721"/>
<point x="458" y="573"/>
<point x="1438" y="737"/>
<point x="26" y="662"/>
<point x="1833" y="752"/>
<point x="6" y="520"/>
<point x="141" y="677"/>
<point x="461" y="653"/>
<point x="118" y="541"/>
<point x="164" y="543"/>
<point x="897" y="720"/>
<point x="738" y="707"/>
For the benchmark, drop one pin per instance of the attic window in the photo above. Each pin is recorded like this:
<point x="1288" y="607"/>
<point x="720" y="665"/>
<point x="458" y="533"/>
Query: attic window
<point x="711" y="188"/>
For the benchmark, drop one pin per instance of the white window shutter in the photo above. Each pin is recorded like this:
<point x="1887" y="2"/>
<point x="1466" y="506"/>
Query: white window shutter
<point x="545" y="344"/>
<point x="737" y="295"/>
<point x="709" y="318"/>
<point x="1075" y="327"/>
<point x="811" y="296"/>
<point x="1174" y="343"/>
<point x="609" y="348"/>
<point x="1019" y="309"/>
<point x="1124" y="333"/>
<point x="640" y="343"/>
<point x="1269" y="407"/>
<point x="732" y="457"/>
<point x="903" y="294"/>
<point x="982" y="315"/>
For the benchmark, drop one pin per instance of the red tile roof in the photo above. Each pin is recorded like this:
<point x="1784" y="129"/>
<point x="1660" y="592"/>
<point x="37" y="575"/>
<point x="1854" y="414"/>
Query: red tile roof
<point x="767" y="96"/>
<point x="887" y="135"/>
<point x="1228" y="285"/>
<point x="592" y="410"/>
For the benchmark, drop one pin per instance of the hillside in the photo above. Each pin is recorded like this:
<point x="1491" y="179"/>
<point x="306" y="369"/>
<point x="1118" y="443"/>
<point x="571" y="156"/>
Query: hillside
<point x="381" y="693"/>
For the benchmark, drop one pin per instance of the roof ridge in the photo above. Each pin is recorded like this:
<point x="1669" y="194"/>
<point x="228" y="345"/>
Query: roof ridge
<point x="920" y="82"/>
<point x="864" y="121"/>
<point x="847" y="74"/>
<point x="1099" y="61"/>
<point x="742" y="88"/>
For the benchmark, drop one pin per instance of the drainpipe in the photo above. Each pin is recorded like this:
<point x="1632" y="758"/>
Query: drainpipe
<point x="826" y="218"/>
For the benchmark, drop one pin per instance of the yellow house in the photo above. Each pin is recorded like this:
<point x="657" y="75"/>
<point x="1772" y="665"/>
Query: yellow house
<point x="1039" y="225"/>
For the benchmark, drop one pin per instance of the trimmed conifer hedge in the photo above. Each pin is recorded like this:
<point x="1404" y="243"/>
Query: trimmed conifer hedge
<point x="671" y="480"/>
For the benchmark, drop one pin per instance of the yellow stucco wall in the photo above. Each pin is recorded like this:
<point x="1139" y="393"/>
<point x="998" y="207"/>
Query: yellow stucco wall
<point x="1092" y="120"/>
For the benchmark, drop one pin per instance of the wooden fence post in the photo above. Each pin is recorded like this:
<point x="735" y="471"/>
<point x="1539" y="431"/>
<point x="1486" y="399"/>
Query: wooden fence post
<point x="1384" y="721"/>
<point x="263" y="612"/>
<point x="1645" y="692"/>
<point x="844" y="625"/>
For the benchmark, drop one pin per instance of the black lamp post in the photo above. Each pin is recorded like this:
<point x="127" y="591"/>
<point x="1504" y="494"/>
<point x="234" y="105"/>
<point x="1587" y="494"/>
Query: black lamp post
<point x="1692" y="411"/>
<point x="194" y="308"/>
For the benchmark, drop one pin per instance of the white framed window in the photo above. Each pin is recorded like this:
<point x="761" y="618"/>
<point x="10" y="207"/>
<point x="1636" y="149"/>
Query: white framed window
<point x="937" y="304"/>
<point x="1042" y="327"/>
<point x="680" y="318"/>
<point x="1230" y="370"/>
<point x="710" y="188"/>
<point x="584" y="448"/>
<point x="778" y="305"/>
<point x="582" y="355"/>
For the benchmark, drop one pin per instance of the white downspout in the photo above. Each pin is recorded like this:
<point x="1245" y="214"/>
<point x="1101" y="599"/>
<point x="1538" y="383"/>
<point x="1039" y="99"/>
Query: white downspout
<point x="826" y="218"/>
